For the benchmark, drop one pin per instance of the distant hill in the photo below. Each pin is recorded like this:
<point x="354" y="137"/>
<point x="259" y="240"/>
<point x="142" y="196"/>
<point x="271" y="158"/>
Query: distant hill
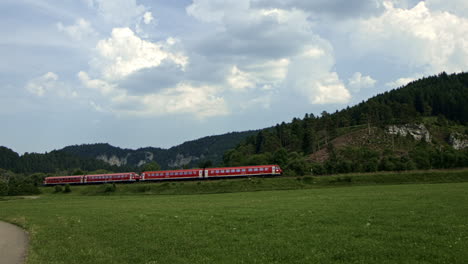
<point x="188" y="154"/>
<point x="91" y="157"/>
<point x="56" y="162"/>
<point x="420" y="126"/>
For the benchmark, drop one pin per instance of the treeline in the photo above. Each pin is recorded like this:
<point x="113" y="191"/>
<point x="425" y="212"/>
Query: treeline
<point x="54" y="162"/>
<point x="207" y="148"/>
<point x="19" y="184"/>
<point x="294" y="145"/>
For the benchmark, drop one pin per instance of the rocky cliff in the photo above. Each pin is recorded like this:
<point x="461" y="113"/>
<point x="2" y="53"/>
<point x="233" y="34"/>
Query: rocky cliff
<point x="416" y="131"/>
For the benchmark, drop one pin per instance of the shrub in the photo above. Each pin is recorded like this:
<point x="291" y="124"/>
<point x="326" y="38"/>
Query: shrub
<point x="308" y="180"/>
<point x="67" y="189"/>
<point x="58" y="189"/>
<point x="109" y="188"/>
<point x="143" y="188"/>
<point x="3" y="188"/>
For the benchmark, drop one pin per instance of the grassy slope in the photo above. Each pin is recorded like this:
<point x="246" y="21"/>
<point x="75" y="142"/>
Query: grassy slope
<point x="417" y="223"/>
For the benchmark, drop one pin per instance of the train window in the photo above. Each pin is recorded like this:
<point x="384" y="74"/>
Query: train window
<point x="250" y="170"/>
<point x="243" y="170"/>
<point x="217" y="171"/>
<point x="256" y="169"/>
<point x="222" y="171"/>
<point x="238" y="170"/>
<point x="261" y="169"/>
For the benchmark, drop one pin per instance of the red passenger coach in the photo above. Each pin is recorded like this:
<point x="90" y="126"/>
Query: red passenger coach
<point x="246" y="171"/>
<point x="114" y="177"/>
<point x="64" y="180"/>
<point x="171" y="175"/>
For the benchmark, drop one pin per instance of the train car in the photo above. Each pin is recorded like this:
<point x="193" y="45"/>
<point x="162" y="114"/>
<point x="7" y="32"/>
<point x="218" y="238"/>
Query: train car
<point x="77" y="179"/>
<point x="172" y="175"/>
<point x="245" y="171"/>
<point x="110" y="178"/>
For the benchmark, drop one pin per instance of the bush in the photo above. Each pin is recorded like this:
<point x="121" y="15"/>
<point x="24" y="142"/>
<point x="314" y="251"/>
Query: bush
<point x="109" y="188"/>
<point x="58" y="189"/>
<point x="3" y="188"/>
<point x="143" y="188"/>
<point x="67" y="189"/>
<point x="308" y="180"/>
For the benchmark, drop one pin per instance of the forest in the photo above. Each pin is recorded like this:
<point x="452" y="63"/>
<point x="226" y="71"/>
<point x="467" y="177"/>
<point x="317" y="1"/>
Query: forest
<point x="355" y="139"/>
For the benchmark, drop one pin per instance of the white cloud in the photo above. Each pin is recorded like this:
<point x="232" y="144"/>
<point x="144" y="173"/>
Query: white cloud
<point x="239" y="80"/>
<point x="271" y="49"/>
<point x="457" y="7"/>
<point x="125" y="53"/>
<point x="200" y="101"/>
<point x="400" y="82"/>
<point x="358" y="82"/>
<point x="118" y="12"/>
<point x="418" y="37"/>
<point x="264" y="75"/>
<point x="49" y="84"/>
<point x="82" y="29"/>
<point x="148" y="17"/>
<point x="328" y="89"/>
<point x="216" y="10"/>
<point x="101" y="86"/>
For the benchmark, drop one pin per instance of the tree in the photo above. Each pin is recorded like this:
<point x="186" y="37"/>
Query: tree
<point x="151" y="166"/>
<point x="205" y="164"/>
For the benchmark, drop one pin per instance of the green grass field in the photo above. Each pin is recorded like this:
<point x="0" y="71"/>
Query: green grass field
<point x="415" y="223"/>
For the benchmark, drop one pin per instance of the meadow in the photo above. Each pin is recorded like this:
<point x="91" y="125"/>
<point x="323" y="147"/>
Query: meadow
<point x="405" y="223"/>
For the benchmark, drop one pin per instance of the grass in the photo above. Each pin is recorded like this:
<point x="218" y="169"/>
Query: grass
<point x="414" y="223"/>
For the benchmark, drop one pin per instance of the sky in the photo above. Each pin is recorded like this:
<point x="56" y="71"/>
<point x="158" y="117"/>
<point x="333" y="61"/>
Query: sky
<point x="137" y="73"/>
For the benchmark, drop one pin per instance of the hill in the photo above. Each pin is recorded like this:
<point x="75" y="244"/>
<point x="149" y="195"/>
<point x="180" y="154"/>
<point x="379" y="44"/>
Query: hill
<point x="420" y="126"/>
<point x="91" y="157"/>
<point x="188" y="154"/>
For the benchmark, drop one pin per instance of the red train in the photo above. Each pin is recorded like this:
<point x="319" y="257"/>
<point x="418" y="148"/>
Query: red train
<point x="208" y="173"/>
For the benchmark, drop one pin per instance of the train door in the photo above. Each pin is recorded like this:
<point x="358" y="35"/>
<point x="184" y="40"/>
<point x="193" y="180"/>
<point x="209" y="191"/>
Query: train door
<point x="200" y="174"/>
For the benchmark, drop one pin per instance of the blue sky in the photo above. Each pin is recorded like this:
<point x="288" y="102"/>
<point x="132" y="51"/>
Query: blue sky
<point x="138" y="73"/>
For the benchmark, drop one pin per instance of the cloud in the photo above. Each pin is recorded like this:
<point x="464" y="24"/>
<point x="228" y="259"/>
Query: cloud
<point x="240" y="80"/>
<point x="456" y="7"/>
<point x="400" y="82"/>
<point x="49" y="84"/>
<point x="265" y="74"/>
<point x="200" y="101"/>
<point x="103" y="87"/>
<point x="328" y="90"/>
<point x="118" y="12"/>
<point x="336" y="9"/>
<point x="148" y="17"/>
<point x="420" y="38"/>
<point x="124" y="53"/>
<point x="269" y="48"/>
<point x="82" y="29"/>
<point x="358" y="82"/>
